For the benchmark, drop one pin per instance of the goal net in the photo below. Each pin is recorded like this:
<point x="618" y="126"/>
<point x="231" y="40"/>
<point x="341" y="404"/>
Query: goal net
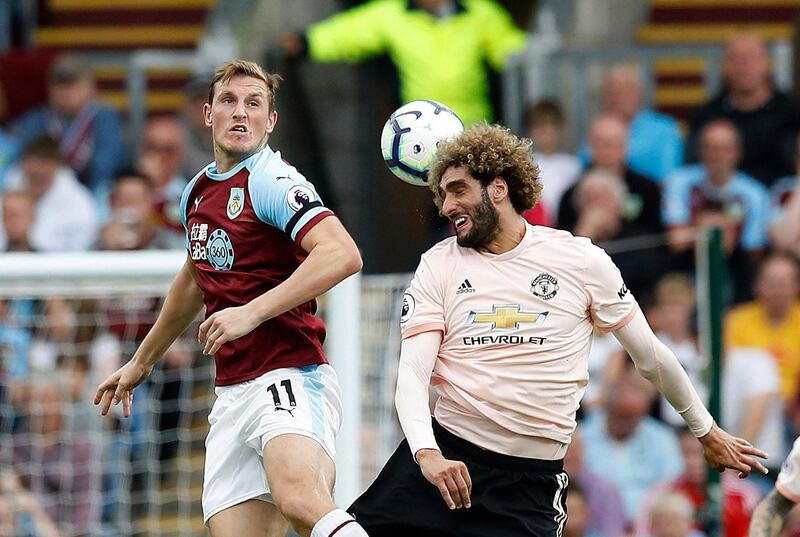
<point x="67" y="321"/>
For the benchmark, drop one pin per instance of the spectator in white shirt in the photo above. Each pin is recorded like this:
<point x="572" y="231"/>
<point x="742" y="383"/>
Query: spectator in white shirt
<point x="544" y="122"/>
<point x="66" y="215"/>
<point x="753" y="406"/>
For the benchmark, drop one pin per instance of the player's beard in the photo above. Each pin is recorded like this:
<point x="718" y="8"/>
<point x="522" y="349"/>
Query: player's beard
<point x="485" y="224"/>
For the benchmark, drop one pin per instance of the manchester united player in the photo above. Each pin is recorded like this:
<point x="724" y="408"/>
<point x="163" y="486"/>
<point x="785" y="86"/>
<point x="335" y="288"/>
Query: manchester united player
<point x="261" y="247"/>
<point x="499" y="320"/>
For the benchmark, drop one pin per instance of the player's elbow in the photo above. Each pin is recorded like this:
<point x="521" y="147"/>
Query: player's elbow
<point x="350" y="259"/>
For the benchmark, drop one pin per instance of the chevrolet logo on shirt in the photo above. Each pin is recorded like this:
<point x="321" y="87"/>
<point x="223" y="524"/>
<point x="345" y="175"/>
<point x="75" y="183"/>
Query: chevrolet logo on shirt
<point x="506" y="317"/>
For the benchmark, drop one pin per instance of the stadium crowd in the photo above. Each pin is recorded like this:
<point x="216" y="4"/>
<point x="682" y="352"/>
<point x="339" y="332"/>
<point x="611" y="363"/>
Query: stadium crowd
<point x="641" y="185"/>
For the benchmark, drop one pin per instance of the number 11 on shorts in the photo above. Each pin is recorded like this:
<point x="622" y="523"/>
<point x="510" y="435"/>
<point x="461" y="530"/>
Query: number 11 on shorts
<point x="276" y="396"/>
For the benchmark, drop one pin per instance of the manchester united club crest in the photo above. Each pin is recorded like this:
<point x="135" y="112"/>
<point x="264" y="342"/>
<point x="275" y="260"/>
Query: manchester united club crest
<point x="235" y="202"/>
<point x="544" y="286"/>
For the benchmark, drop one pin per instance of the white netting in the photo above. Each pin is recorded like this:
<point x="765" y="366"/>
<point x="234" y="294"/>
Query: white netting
<point x="63" y="329"/>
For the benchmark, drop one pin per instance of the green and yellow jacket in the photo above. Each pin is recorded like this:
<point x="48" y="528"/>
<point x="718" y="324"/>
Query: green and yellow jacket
<point x="443" y="59"/>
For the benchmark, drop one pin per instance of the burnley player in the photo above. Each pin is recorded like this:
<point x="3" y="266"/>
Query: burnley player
<point x="261" y="248"/>
<point x="499" y="319"/>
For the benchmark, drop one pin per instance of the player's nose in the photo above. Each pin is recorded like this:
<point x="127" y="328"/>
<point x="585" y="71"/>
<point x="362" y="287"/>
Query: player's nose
<point x="447" y="206"/>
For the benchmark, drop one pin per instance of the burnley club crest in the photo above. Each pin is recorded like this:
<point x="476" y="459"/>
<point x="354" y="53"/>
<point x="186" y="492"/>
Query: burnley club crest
<point x="235" y="202"/>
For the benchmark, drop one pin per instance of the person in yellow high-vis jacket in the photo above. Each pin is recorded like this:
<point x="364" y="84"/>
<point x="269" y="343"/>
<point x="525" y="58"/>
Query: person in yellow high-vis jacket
<point x="441" y="48"/>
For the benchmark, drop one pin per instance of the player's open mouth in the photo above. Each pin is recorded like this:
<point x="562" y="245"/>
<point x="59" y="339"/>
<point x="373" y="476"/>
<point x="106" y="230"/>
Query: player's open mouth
<point x="239" y="128"/>
<point x="460" y="222"/>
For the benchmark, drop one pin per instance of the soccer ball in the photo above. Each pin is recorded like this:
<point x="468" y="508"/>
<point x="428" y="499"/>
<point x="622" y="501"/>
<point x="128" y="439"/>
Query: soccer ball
<point x="411" y="136"/>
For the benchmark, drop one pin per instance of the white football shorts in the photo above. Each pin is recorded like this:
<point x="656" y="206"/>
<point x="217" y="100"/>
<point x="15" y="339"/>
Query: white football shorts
<point x="245" y="416"/>
<point x="788" y="483"/>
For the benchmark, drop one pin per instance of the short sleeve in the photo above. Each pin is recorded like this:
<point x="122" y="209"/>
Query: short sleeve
<point x="284" y="199"/>
<point x="754" y="231"/>
<point x="788" y="483"/>
<point x="611" y="305"/>
<point x="675" y="199"/>
<point x="423" y="305"/>
<point x="187" y="191"/>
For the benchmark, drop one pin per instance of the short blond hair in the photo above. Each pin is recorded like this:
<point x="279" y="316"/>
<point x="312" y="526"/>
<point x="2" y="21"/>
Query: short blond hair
<point x="233" y="68"/>
<point x="675" y="288"/>
<point x="490" y="151"/>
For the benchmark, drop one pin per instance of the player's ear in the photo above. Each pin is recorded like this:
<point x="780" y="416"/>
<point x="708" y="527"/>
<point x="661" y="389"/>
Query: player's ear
<point x="207" y="114"/>
<point x="499" y="189"/>
<point x="272" y="120"/>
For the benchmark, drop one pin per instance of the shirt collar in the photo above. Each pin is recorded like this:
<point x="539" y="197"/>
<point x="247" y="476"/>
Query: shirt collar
<point x="458" y="5"/>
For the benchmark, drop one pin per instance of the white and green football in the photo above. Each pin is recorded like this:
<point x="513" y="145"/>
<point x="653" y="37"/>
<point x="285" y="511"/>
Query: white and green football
<point x="411" y="136"/>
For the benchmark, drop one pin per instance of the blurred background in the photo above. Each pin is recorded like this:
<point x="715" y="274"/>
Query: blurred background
<point x="652" y="121"/>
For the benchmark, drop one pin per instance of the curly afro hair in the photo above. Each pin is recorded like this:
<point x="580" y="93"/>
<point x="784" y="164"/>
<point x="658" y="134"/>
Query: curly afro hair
<point x="489" y="151"/>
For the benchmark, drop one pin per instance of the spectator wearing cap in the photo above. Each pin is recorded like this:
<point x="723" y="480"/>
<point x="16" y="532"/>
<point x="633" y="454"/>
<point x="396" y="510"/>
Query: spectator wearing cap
<point x="89" y="133"/>
<point x="66" y="215"/>
<point x="197" y="140"/>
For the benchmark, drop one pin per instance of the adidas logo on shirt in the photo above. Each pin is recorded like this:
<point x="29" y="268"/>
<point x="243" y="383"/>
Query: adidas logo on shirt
<point x="465" y="287"/>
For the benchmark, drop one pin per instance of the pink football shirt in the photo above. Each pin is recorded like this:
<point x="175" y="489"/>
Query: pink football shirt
<point x="517" y="329"/>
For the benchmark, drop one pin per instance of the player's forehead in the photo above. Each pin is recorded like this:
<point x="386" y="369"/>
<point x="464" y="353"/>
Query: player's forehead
<point x="242" y="86"/>
<point x="456" y="175"/>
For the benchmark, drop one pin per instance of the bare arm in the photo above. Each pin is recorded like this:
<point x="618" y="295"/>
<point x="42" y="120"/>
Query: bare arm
<point x="184" y="301"/>
<point x="332" y="257"/>
<point x="770" y="515"/>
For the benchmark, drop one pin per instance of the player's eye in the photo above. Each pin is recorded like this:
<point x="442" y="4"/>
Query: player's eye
<point x="254" y="103"/>
<point x="227" y="100"/>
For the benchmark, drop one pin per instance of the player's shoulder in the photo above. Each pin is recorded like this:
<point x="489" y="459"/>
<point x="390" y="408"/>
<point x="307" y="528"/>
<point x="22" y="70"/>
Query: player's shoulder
<point x="443" y="251"/>
<point x="269" y="167"/>
<point x="560" y="244"/>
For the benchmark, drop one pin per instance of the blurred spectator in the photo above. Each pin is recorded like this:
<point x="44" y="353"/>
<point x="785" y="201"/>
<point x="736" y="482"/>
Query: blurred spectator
<point x="8" y="155"/>
<point x="605" y="515"/>
<point x="753" y="409"/>
<point x="160" y="157"/>
<point x="740" y="497"/>
<point x="768" y="120"/>
<point x="89" y="133"/>
<point x="671" y="317"/>
<point x="631" y="449"/>
<point x="196" y="135"/>
<point x="441" y="48"/>
<point x="600" y="199"/>
<point x="21" y="514"/>
<point x="544" y="122"/>
<point x="655" y="144"/>
<point x="785" y="214"/>
<point x="59" y="468"/>
<point x="132" y="225"/>
<point x="19" y="213"/>
<point x="672" y="515"/>
<point x="715" y="193"/>
<point x="578" y="510"/>
<point x="771" y="321"/>
<point x="608" y="143"/>
<point x="55" y="340"/>
<point x="606" y="363"/>
<point x="785" y="232"/>
<point x="65" y="211"/>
